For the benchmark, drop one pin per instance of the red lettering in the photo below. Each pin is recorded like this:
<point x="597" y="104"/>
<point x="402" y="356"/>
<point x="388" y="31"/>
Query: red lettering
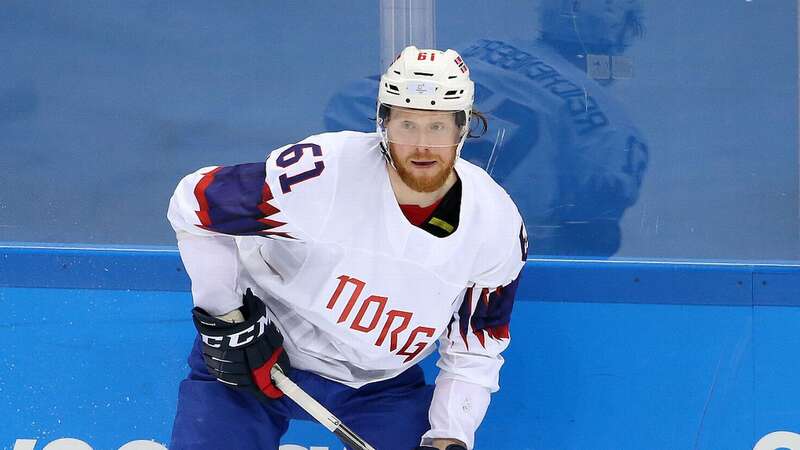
<point x="419" y="346"/>
<point x="422" y="56"/>
<point x="381" y="301"/>
<point x="392" y="326"/>
<point x="343" y="280"/>
<point x="405" y="315"/>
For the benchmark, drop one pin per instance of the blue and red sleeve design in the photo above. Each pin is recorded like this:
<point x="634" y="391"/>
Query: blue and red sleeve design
<point x="236" y="200"/>
<point x="491" y="315"/>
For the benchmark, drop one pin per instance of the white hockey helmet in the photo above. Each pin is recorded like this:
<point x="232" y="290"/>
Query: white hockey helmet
<point x="429" y="80"/>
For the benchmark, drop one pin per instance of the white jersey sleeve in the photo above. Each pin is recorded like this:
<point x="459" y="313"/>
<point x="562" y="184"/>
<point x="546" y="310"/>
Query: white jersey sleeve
<point x="470" y="350"/>
<point x="201" y="215"/>
<point x="214" y="206"/>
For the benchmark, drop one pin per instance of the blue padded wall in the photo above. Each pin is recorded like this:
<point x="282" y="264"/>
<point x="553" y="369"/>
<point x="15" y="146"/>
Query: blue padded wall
<point x="604" y="355"/>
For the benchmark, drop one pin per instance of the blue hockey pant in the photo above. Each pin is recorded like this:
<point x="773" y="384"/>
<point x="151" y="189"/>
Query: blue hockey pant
<point x="390" y="414"/>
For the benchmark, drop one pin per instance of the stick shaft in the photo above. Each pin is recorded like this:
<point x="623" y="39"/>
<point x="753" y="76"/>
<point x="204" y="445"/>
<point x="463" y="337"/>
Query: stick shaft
<point x="317" y="411"/>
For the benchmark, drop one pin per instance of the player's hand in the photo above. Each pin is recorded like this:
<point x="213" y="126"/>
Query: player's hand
<point x="242" y="354"/>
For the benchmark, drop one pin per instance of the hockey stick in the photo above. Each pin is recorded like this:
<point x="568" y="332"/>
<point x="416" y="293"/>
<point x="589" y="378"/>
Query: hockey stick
<point x="319" y="412"/>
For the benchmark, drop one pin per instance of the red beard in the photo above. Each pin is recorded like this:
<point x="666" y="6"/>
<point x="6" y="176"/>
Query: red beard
<point x="423" y="182"/>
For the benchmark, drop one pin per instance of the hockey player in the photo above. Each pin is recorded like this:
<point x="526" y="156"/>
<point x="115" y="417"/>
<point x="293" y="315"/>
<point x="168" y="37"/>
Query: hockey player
<point x="563" y="148"/>
<point x="345" y="259"/>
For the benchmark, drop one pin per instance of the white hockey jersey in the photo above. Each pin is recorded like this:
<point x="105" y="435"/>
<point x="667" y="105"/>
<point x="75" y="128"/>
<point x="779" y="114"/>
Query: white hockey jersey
<point x="359" y="293"/>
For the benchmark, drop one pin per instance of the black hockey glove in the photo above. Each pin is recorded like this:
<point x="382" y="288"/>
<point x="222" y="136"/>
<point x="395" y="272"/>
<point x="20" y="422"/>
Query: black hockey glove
<point x="241" y="355"/>
<point x="449" y="447"/>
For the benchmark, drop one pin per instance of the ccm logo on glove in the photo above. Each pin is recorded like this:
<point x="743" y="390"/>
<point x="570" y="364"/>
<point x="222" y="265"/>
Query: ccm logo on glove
<point x="241" y="354"/>
<point x="238" y="339"/>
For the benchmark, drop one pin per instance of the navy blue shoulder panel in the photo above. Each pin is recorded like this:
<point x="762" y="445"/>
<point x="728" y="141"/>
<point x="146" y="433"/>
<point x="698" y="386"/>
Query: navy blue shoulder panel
<point x="236" y="200"/>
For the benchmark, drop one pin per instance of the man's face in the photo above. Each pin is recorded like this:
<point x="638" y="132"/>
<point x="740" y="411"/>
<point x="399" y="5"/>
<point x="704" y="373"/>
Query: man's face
<point x="423" y="146"/>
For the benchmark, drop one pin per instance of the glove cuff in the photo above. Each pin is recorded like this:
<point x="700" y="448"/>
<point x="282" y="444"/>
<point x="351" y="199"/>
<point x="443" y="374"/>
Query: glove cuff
<point x="264" y="378"/>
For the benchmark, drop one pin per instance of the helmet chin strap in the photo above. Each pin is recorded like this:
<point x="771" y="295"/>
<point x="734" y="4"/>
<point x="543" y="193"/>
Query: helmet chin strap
<point x="386" y="154"/>
<point x="463" y="139"/>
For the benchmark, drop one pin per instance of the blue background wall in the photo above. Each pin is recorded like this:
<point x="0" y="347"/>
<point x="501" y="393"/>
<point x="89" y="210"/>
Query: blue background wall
<point x="105" y="105"/>
<point x="616" y="356"/>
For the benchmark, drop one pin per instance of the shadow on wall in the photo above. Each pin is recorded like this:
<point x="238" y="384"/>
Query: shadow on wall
<point x="565" y="150"/>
